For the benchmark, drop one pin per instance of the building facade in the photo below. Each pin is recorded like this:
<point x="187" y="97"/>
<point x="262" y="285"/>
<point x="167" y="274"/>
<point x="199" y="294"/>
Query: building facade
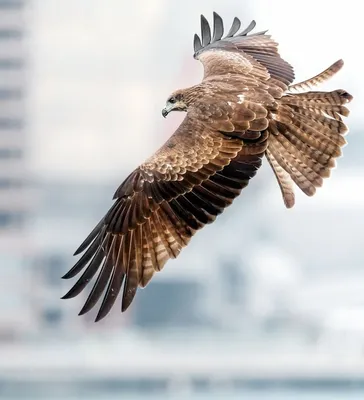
<point x="15" y="197"/>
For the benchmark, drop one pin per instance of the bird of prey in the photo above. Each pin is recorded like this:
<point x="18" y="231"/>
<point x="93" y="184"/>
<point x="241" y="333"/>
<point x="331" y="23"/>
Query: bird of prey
<point x="245" y="109"/>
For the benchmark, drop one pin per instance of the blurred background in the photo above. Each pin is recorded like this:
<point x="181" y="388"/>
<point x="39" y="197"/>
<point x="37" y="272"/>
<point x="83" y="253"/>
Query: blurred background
<point x="266" y="303"/>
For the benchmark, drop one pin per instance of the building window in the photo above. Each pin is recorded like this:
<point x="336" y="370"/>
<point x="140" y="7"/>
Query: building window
<point x="11" y="123"/>
<point x="11" y="4"/>
<point x="8" y="183"/>
<point x="11" y="219"/>
<point x="182" y="308"/>
<point x="7" y="34"/>
<point x="10" y="94"/>
<point x="52" y="316"/>
<point x="55" y="266"/>
<point x="11" y="63"/>
<point x="10" y="153"/>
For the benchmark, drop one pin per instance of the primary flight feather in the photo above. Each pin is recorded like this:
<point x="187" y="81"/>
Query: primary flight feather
<point x="245" y="108"/>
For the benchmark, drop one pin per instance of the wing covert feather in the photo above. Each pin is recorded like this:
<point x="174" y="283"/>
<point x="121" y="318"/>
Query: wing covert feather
<point x="241" y="112"/>
<point x="159" y="207"/>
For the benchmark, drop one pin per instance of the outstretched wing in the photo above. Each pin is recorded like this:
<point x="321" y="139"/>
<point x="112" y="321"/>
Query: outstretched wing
<point x="253" y="62"/>
<point x="182" y="187"/>
<point x="306" y="128"/>
<point x="239" y="52"/>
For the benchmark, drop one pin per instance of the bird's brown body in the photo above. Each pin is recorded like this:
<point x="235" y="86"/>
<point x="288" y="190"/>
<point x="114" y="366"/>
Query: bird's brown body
<point x="244" y="109"/>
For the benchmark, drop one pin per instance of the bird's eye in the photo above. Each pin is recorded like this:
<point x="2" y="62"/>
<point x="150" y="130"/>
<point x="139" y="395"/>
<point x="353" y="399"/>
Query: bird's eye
<point x="172" y="100"/>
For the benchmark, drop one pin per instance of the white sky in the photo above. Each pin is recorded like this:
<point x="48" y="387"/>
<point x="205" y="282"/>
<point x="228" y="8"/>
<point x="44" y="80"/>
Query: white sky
<point x="98" y="84"/>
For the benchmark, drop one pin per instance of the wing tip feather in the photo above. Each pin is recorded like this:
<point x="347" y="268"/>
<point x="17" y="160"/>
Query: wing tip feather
<point x="69" y="295"/>
<point x="197" y="45"/>
<point x="218" y="27"/>
<point x="67" y="275"/>
<point x="248" y="29"/>
<point x="205" y="31"/>
<point x="206" y="39"/>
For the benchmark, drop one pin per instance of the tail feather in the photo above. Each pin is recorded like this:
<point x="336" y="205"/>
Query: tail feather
<point x="309" y="131"/>
<point x="320" y="105"/>
<point x="297" y="177"/>
<point x="336" y="97"/>
<point x="306" y="136"/>
<point x="305" y="155"/>
<point x="284" y="180"/>
<point x="318" y="79"/>
<point x="296" y="166"/>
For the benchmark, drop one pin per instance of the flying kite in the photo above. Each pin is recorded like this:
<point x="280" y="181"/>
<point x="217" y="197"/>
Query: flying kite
<point x="246" y="108"/>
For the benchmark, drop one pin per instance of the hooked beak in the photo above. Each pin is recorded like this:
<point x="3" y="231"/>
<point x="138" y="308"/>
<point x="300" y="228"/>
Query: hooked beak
<point x="165" y="112"/>
<point x="179" y="106"/>
<point x="167" y="109"/>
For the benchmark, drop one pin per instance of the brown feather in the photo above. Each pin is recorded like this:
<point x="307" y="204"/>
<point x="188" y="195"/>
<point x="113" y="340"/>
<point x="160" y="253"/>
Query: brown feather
<point x="316" y="80"/>
<point x="284" y="180"/>
<point x="240" y="112"/>
<point x="304" y="139"/>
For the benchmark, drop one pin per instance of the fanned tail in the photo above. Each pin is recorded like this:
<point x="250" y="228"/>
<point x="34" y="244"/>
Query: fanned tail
<point x="306" y="136"/>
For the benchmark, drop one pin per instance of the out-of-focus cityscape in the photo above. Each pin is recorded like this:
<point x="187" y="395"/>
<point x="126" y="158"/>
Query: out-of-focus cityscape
<point x="263" y="293"/>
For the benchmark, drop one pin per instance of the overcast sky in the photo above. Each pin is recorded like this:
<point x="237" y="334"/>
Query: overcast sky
<point x="100" y="71"/>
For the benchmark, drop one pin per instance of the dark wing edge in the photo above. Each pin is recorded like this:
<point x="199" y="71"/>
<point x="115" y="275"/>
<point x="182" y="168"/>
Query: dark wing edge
<point x="207" y="41"/>
<point x="121" y="251"/>
<point x="258" y="45"/>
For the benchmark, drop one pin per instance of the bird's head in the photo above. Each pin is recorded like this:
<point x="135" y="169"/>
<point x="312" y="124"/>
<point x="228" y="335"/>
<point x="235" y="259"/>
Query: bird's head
<point x="177" y="101"/>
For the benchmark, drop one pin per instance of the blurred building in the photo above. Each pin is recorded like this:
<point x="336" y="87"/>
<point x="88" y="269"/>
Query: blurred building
<point x="15" y="197"/>
<point x="88" y="88"/>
